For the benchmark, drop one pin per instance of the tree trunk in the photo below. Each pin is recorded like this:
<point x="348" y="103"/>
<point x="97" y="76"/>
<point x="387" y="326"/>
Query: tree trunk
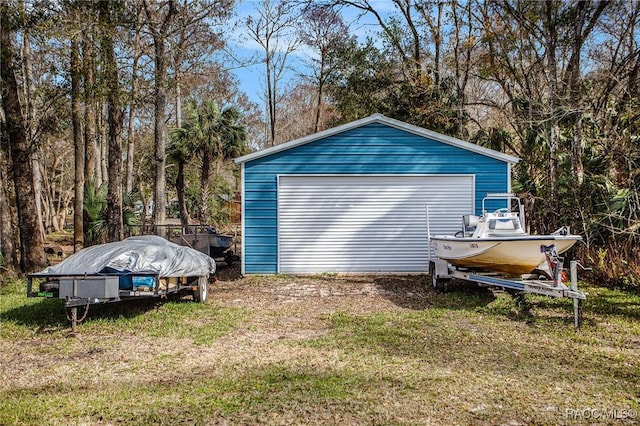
<point x="132" y="108"/>
<point x="573" y="77"/>
<point x="79" y="147"/>
<point x="178" y="101"/>
<point x="131" y="147"/>
<point x="321" y="81"/>
<point x="271" y="98"/>
<point x="437" y="41"/>
<point x="37" y="192"/>
<point x="180" y="187"/>
<point x="462" y="65"/>
<point x="552" y="73"/>
<point x="159" y="29"/>
<point x="160" y="131"/>
<point x="114" y="119"/>
<point x="30" y="125"/>
<point x="90" y="141"/>
<point x="205" y="174"/>
<point x="32" y="257"/>
<point x="103" y="143"/>
<point x="584" y="22"/>
<point x="7" y="236"/>
<point x="49" y="188"/>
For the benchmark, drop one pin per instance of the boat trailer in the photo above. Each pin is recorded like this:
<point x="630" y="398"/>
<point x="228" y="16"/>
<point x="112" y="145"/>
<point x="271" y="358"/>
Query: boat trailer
<point x="554" y="285"/>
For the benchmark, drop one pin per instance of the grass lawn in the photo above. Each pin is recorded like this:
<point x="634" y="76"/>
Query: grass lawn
<point x="328" y="349"/>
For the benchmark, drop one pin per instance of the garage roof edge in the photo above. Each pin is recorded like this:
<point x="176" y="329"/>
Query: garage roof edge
<point x="379" y="118"/>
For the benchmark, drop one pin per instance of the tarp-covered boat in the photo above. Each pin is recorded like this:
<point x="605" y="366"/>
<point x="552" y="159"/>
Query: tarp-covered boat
<point x="146" y="253"/>
<point x="143" y="266"/>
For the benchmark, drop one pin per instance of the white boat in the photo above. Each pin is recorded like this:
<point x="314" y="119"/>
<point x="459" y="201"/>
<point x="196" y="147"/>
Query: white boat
<point x="497" y="241"/>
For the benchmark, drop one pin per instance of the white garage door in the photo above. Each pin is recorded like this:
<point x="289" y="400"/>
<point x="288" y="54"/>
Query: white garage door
<point x="366" y="223"/>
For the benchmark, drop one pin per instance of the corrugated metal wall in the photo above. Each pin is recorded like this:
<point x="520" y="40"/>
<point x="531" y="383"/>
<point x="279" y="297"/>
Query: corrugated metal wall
<point x="373" y="149"/>
<point x="366" y="223"/>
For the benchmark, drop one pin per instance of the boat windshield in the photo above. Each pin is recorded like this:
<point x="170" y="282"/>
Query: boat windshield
<point x="509" y="224"/>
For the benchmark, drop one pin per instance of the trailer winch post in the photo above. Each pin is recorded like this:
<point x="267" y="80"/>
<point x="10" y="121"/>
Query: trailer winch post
<point x="577" y="302"/>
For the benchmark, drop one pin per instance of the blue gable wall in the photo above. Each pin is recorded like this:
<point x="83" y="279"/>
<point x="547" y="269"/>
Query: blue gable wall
<point x="371" y="149"/>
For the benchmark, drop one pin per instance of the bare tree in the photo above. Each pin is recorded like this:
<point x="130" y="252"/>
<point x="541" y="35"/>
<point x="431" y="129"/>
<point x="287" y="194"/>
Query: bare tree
<point x="585" y="16"/>
<point x="535" y="51"/>
<point x="405" y="38"/>
<point x="193" y="42"/>
<point x="322" y="29"/>
<point x="296" y="112"/>
<point x="464" y="45"/>
<point x="273" y="29"/>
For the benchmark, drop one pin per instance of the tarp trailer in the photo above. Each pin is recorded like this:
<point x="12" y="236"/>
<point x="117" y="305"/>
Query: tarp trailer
<point x="553" y="285"/>
<point x="138" y="267"/>
<point x="82" y="291"/>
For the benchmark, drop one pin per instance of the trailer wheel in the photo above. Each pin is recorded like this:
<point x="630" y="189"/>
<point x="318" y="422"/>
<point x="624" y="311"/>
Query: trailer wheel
<point x="202" y="292"/>
<point x="438" y="284"/>
<point x="51" y="287"/>
<point x="542" y="274"/>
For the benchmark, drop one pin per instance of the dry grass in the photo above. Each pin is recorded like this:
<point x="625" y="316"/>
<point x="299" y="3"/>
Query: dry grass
<point x="329" y="349"/>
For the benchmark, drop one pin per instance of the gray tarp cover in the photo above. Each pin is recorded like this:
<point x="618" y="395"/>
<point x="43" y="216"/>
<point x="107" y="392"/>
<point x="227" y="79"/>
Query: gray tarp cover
<point x="147" y="253"/>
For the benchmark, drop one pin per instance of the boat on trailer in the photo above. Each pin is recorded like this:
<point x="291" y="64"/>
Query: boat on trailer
<point x="495" y="250"/>
<point x="497" y="241"/>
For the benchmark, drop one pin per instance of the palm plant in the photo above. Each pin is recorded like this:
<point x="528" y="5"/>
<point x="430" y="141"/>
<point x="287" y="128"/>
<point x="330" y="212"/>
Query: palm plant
<point x="223" y="137"/>
<point x="95" y="212"/>
<point x="217" y="135"/>
<point x="95" y="200"/>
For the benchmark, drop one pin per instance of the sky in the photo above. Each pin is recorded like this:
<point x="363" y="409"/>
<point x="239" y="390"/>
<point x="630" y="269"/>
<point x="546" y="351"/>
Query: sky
<point x="251" y="78"/>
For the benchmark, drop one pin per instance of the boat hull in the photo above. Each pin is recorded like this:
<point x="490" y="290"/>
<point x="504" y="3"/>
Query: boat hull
<point x="511" y="256"/>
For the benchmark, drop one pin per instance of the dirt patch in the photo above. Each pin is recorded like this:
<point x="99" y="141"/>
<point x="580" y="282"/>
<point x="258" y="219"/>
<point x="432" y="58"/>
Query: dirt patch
<point x="317" y="294"/>
<point x="278" y="309"/>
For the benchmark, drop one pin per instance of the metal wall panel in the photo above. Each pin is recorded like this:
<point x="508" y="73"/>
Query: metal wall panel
<point x="366" y="223"/>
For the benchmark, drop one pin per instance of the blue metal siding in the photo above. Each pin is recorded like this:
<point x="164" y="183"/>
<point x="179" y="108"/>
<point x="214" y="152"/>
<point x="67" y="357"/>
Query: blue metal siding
<point x="370" y="149"/>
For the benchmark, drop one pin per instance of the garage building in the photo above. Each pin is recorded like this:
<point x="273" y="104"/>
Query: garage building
<point x="353" y="198"/>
